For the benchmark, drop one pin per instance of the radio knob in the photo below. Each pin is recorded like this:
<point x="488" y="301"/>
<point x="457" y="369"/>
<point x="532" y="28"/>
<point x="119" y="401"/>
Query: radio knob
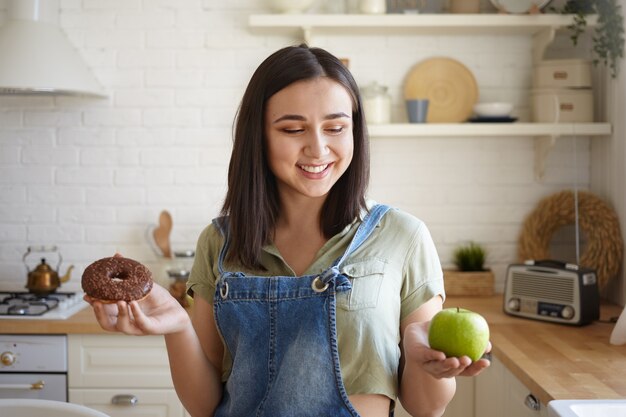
<point x="7" y="358"/>
<point x="567" y="312"/>
<point x="513" y="304"/>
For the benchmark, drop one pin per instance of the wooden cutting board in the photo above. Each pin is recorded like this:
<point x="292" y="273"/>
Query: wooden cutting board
<point x="449" y="86"/>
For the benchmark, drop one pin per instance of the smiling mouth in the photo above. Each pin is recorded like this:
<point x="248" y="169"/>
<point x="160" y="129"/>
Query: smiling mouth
<point x="314" y="169"/>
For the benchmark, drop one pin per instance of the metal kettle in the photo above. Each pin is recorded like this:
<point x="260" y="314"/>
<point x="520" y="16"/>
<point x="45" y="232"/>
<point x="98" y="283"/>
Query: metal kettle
<point x="44" y="280"/>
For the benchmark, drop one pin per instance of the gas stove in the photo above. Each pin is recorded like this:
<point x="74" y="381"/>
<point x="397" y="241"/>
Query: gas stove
<point x="55" y="306"/>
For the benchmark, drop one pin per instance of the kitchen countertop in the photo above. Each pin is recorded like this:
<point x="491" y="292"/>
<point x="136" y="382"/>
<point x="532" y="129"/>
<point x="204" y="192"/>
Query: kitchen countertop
<point x="554" y="361"/>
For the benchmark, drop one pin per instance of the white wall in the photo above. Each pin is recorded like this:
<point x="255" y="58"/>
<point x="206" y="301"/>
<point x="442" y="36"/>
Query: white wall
<point x="92" y="175"/>
<point x="608" y="174"/>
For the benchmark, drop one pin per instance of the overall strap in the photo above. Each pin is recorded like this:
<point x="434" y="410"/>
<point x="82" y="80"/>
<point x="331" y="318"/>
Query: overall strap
<point x="362" y="233"/>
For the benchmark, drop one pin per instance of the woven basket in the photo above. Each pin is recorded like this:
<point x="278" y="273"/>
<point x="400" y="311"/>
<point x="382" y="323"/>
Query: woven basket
<point x="471" y="283"/>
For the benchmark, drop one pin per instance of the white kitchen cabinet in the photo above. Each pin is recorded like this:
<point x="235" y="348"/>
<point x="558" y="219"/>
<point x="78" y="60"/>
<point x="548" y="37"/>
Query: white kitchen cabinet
<point x="462" y="405"/>
<point x="498" y="393"/>
<point x="122" y="375"/>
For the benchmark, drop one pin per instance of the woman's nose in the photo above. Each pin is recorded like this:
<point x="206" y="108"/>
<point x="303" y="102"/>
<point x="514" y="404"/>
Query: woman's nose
<point x="317" y="145"/>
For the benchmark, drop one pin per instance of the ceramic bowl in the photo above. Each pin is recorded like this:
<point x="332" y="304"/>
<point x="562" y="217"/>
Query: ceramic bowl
<point x="494" y="109"/>
<point x="290" y="6"/>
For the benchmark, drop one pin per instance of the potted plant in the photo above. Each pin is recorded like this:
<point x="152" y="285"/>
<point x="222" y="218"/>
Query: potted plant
<point x="608" y="38"/>
<point x="470" y="276"/>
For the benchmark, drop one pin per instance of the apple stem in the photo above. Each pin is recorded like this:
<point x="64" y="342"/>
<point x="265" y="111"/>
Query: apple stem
<point x="458" y="310"/>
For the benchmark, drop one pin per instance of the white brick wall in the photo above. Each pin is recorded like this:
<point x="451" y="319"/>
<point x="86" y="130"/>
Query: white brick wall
<point x="92" y="175"/>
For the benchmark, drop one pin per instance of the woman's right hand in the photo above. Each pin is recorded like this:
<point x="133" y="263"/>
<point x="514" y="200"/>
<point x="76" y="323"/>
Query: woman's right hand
<point x="157" y="313"/>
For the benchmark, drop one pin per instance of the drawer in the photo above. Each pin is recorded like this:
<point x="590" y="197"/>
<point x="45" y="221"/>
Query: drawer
<point x="113" y="361"/>
<point x="118" y="403"/>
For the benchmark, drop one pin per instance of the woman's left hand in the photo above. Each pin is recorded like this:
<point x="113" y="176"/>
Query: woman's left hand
<point x="417" y="351"/>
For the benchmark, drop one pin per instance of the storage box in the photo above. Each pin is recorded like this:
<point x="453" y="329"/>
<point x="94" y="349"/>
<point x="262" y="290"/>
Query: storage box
<point x="562" y="73"/>
<point x="562" y="105"/>
<point x="468" y="283"/>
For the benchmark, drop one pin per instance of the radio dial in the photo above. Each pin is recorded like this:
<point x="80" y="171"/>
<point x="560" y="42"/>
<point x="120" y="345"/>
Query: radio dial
<point x="567" y="312"/>
<point x="514" y="304"/>
<point x="7" y="358"/>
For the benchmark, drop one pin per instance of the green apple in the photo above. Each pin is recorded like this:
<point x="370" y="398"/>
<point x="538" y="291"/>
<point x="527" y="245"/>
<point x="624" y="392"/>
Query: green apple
<point x="459" y="332"/>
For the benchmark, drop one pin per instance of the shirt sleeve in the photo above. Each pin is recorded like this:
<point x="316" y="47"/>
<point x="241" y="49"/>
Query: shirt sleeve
<point x="423" y="276"/>
<point x="203" y="276"/>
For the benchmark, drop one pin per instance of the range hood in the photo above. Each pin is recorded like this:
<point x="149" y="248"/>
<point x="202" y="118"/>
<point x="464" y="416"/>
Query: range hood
<point x="36" y="56"/>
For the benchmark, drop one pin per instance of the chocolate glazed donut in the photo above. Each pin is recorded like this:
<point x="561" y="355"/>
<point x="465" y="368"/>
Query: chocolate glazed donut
<point x="117" y="278"/>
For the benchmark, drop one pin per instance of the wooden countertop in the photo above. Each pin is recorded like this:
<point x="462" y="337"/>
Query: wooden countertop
<point x="554" y="361"/>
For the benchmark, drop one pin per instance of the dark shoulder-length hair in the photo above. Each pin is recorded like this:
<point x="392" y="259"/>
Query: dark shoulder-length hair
<point x="252" y="201"/>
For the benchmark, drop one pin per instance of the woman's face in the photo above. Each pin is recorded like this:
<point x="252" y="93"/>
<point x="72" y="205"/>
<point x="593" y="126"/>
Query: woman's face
<point x="308" y="128"/>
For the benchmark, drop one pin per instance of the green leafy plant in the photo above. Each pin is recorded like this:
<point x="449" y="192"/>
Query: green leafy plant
<point x="608" y="38"/>
<point x="470" y="257"/>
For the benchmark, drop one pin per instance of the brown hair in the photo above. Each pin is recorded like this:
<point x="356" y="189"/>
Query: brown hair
<point x="252" y="200"/>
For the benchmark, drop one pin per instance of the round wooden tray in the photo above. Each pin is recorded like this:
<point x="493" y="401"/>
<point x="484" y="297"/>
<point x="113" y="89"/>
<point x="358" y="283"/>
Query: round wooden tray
<point x="449" y="86"/>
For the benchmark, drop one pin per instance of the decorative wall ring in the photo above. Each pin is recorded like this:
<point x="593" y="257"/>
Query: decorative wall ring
<point x="598" y="221"/>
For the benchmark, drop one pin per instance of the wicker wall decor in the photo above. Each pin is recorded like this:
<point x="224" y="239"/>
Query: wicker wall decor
<point x="599" y="222"/>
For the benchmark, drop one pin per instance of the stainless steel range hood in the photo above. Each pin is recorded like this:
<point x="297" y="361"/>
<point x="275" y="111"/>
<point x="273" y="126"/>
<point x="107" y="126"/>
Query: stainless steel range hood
<point x="36" y="57"/>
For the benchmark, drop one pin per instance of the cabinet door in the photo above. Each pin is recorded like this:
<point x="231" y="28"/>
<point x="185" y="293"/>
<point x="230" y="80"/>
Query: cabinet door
<point x="517" y="395"/>
<point x="462" y="405"/>
<point x="117" y="402"/>
<point x="490" y="391"/>
<point x="111" y="361"/>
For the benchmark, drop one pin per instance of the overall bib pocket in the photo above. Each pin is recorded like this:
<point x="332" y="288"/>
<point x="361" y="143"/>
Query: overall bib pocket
<point x="366" y="277"/>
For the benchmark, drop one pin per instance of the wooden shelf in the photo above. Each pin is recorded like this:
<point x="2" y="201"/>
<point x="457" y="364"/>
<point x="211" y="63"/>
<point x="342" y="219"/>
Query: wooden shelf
<point x="406" y="130"/>
<point x="545" y="134"/>
<point x="541" y="26"/>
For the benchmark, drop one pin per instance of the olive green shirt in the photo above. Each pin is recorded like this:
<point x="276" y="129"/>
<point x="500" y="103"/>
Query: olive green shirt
<point x="392" y="274"/>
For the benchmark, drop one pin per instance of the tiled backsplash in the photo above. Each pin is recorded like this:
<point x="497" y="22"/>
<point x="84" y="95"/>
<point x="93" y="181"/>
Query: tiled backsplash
<point x="91" y="175"/>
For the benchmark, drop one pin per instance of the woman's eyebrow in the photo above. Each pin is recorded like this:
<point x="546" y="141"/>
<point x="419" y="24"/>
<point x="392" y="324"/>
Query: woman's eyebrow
<point x="301" y="118"/>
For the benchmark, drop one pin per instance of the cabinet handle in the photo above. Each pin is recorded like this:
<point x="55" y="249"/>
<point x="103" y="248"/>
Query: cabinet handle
<point x="125" y="399"/>
<point x="532" y="402"/>
<point x="39" y="385"/>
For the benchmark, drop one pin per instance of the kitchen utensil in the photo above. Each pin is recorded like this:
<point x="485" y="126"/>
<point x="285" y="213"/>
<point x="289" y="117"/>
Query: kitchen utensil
<point x="44" y="280"/>
<point x="519" y="6"/>
<point x="449" y="86"/>
<point x="161" y="234"/>
<point x="493" y="109"/>
<point x="417" y="110"/>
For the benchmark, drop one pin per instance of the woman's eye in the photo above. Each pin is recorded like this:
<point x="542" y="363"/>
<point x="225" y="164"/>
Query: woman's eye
<point x="335" y="129"/>
<point x="293" y="131"/>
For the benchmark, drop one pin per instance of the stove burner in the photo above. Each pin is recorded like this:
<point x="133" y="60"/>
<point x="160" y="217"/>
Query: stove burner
<point x="27" y="304"/>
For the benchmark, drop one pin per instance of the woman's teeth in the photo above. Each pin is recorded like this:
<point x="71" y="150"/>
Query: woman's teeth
<point x="314" y="169"/>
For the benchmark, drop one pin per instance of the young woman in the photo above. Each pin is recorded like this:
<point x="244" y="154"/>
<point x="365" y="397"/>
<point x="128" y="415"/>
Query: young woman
<point x="309" y="299"/>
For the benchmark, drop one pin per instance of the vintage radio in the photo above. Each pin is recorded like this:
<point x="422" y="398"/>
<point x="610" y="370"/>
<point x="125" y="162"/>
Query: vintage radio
<point x="552" y="291"/>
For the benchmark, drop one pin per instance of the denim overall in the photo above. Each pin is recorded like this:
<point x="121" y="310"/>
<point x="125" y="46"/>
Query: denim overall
<point x="281" y="334"/>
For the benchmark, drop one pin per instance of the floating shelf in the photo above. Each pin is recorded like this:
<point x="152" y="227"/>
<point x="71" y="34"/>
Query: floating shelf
<point x="412" y="130"/>
<point x="545" y="134"/>
<point x="541" y="26"/>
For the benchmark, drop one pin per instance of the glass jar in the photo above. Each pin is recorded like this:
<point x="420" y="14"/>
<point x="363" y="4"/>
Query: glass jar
<point x="376" y="103"/>
<point x="373" y="6"/>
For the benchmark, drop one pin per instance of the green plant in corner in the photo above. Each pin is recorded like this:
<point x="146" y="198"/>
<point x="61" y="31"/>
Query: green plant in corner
<point x="608" y="39"/>
<point x="470" y="257"/>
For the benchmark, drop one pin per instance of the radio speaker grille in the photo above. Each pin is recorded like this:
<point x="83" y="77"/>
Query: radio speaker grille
<point x="552" y="287"/>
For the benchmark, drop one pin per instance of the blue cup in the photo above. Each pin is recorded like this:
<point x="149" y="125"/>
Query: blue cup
<point x="417" y="109"/>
